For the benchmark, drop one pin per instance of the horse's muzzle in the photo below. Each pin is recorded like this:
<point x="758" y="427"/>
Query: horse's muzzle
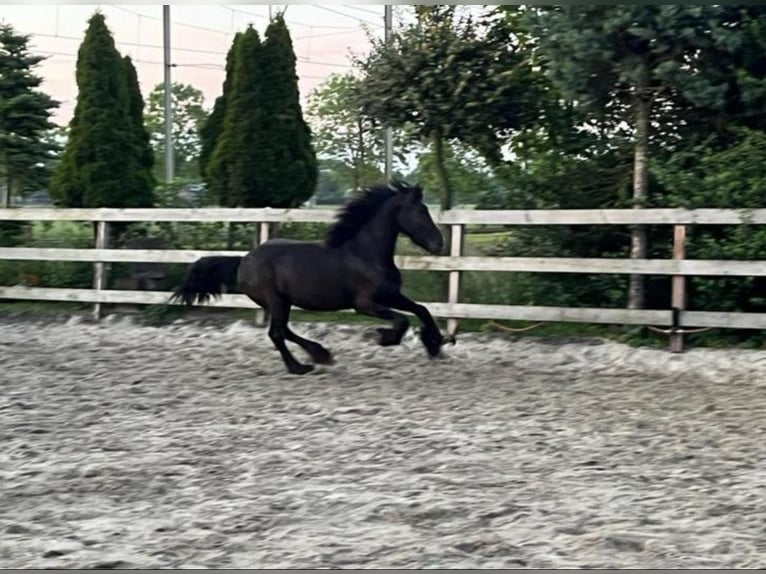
<point x="436" y="247"/>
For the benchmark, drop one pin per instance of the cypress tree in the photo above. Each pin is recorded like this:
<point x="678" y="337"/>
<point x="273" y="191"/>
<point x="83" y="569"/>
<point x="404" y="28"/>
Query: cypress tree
<point x="261" y="153"/>
<point x="144" y="181"/>
<point x="210" y="131"/>
<point x="289" y="168"/>
<point x="235" y="169"/>
<point x="102" y="165"/>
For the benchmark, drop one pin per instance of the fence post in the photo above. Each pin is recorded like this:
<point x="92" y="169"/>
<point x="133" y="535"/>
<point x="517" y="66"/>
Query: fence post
<point x="453" y="292"/>
<point x="261" y="317"/>
<point x="99" y="268"/>
<point x="678" y="296"/>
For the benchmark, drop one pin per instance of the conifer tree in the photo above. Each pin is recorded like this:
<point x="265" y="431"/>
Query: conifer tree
<point x="102" y="164"/>
<point x="213" y="126"/>
<point x="257" y="142"/>
<point x="235" y="169"/>
<point x="289" y="164"/>
<point x="144" y="181"/>
<point x="25" y="114"/>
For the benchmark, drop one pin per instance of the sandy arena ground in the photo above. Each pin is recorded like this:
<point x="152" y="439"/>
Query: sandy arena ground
<point x="188" y="446"/>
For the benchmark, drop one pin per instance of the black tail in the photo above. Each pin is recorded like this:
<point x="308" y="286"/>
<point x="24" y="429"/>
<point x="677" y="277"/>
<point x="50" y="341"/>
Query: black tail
<point x="206" y="279"/>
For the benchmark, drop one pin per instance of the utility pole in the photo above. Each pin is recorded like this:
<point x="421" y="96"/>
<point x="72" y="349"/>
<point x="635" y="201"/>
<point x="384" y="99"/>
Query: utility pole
<point x="168" y="94"/>
<point x="388" y="136"/>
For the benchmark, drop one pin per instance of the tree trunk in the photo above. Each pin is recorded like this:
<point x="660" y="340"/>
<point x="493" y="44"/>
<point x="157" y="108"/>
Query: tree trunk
<point x="640" y="193"/>
<point x="5" y="193"/>
<point x="445" y="200"/>
<point x="445" y="191"/>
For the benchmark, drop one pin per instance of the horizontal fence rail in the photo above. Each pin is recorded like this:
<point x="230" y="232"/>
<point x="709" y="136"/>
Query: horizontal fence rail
<point x="454" y="263"/>
<point x="452" y="217"/>
<point x="423" y="262"/>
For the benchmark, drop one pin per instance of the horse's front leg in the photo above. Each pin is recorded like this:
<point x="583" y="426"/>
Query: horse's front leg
<point x="387" y="337"/>
<point x="430" y="335"/>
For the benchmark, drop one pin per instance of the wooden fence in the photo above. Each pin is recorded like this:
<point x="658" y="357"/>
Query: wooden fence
<point x="674" y="321"/>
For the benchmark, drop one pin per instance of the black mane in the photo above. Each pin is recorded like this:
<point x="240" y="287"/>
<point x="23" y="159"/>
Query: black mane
<point x="359" y="211"/>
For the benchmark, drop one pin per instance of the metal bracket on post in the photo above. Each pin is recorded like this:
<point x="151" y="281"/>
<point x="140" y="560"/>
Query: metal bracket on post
<point x="453" y="293"/>
<point x="99" y="268"/>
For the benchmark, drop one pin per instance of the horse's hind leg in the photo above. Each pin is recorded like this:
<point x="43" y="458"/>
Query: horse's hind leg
<point x="278" y="332"/>
<point x="317" y="352"/>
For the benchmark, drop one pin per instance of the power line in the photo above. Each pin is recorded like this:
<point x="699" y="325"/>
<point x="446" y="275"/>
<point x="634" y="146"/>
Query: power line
<point x="216" y="67"/>
<point x="238" y="11"/>
<point x="211" y="66"/>
<point x="357" y="18"/>
<point x="367" y="10"/>
<point x="289" y="21"/>
<point x="338" y="30"/>
<point x="302" y="59"/>
<point x="134" y="44"/>
<point x="175" y="23"/>
<point x="312" y="36"/>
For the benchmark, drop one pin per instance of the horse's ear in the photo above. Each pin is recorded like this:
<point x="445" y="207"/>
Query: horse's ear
<point x="417" y="192"/>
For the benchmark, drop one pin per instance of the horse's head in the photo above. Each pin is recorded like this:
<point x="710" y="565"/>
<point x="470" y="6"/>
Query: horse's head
<point x="414" y="219"/>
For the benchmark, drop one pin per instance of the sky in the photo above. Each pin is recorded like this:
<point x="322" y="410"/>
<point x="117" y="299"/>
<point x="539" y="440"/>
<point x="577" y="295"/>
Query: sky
<point x="323" y="37"/>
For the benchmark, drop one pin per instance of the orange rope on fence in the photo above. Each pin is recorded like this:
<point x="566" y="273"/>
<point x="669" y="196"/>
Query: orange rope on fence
<point x="679" y="331"/>
<point x="511" y="329"/>
<point x="655" y="329"/>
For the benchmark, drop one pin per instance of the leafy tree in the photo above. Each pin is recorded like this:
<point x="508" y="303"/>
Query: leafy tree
<point x="545" y="174"/>
<point x="734" y="178"/>
<point x="212" y="127"/>
<point x="628" y="63"/>
<point x="286" y="155"/>
<point x="25" y="118"/>
<point x="104" y="163"/>
<point x="343" y="133"/>
<point x="738" y="63"/>
<point x="329" y="189"/>
<point x="450" y="77"/>
<point x="189" y="116"/>
<point x="469" y="174"/>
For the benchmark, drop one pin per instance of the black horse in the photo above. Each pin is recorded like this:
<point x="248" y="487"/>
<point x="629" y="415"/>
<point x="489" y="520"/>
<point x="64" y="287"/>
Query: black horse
<point x="353" y="269"/>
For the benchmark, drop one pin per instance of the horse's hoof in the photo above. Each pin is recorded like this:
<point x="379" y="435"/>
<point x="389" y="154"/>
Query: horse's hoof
<point x="388" y="337"/>
<point x="448" y="339"/>
<point x="300" y="369"/>
<point x="432" y="342"/>
<point x="323" y="357"/>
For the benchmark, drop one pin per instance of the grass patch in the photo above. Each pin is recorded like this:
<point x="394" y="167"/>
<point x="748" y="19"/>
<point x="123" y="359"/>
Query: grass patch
<point x="9" y="308"/>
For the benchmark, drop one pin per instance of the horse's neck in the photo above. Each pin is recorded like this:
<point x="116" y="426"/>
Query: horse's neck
<point x="376" y="241"/>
